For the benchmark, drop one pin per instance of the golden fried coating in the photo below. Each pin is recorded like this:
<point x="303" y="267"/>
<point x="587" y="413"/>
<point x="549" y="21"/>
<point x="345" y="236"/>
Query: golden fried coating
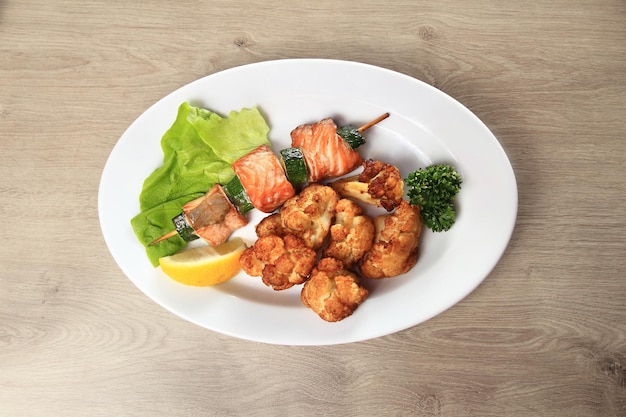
<point x="395" y="246"/>
<point x="281" y="262"/>
<point x="270" y="225"/>
<point x="379" y="184"/>
<point x="351" y="235"/>
<point x="332" y="291"/>
<point x="309" y="214"/>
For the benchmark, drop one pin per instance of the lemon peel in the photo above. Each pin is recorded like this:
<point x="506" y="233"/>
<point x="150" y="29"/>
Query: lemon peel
<point x="205" y="265"/>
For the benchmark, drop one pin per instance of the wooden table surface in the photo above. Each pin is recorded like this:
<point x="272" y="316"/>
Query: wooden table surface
<point x="543" y="335"/>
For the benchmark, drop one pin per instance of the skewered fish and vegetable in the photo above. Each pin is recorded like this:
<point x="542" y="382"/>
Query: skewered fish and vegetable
<point x="265" y="182"/>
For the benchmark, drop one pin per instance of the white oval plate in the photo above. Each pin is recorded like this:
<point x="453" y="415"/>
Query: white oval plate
<point x="426" y="126"/>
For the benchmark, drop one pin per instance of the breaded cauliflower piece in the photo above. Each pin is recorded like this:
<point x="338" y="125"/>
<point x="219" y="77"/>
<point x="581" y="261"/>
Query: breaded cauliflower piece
<point x="379" y="184"/>
<point x="351" y="235"/>
<point x="309" y="214"/>
<point x="332" y="291"/>
<point x="281" y="262"/>
<point x="395" y="246"/>
<point x="270" y="225"/>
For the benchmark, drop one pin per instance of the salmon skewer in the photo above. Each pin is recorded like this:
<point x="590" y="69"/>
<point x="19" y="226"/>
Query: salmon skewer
<point x="261" y="182"/>
<point x="212" y="217"/>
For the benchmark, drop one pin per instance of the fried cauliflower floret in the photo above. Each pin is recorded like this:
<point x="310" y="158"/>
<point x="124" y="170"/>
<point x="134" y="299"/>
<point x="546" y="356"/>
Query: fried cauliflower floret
<point x="309" y="214"/>
<point x="351" y="235"/>
<point x="281" y="262"/>
<point x="270" y="225"/>
<point x="379" y="184"/>
<point x="395" y="245"/>
<point x="332" y="291"/>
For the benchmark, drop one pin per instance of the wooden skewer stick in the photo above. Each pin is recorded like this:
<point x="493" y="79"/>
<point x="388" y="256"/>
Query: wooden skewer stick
<point x="360" y="129"/>
<point x="373" y="122"/>
<point x="165" y="236"/>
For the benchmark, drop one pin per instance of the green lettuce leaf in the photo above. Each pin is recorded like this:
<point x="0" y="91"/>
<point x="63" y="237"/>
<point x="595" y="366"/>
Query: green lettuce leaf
<point x="234" y="136"/>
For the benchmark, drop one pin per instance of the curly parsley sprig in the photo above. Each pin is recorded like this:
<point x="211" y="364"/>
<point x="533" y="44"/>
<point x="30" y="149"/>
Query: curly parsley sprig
<point x="433" y="189"/>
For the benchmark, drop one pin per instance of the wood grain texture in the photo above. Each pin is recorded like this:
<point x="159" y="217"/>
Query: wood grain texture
<point x="544" y="335"/>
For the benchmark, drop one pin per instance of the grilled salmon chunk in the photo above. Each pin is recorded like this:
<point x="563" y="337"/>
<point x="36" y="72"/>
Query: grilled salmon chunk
<point x="213" y="217"/>
<point x="263" y="178"/>
<point x="326" y="154"/>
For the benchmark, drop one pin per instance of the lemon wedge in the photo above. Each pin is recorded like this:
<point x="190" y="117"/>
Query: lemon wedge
<point x="205" y="265"/>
